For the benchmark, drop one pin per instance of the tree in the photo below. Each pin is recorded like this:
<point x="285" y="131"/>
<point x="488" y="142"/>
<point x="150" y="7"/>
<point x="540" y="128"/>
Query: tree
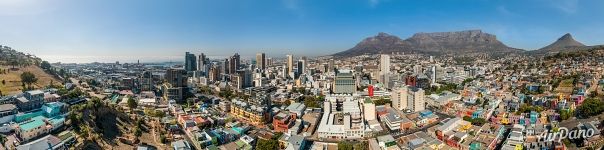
<point x="138" y="132"/>
<point x="287" y="103"/>
<point x="564" y="115"/>
<point x="2" y="140"/>
<point x="162" y="138"/>
<point x="345" y="146"/>
<point x="382" y="101"/>
<point x="132" y="103"/>
<point x="28" y="78"/>
<point x="13" y="63"/>
<point x="45" y="65"/>
<point x="590" y="107"/>
<point x="267" y="144"/>
<point x="311" y="102"/>
<point x="361" y="146"/>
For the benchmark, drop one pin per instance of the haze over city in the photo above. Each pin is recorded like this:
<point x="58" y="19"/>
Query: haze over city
<point x="72" y="30"/>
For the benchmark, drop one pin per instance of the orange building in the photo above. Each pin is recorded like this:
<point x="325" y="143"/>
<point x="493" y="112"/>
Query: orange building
<point x="283" y="121"/>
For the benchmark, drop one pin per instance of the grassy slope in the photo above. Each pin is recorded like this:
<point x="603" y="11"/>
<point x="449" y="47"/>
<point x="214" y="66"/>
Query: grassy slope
<point x="13" y="79"/>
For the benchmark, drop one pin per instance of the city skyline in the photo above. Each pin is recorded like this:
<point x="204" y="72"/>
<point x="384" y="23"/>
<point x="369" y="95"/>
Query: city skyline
<point x="76" y="29"/>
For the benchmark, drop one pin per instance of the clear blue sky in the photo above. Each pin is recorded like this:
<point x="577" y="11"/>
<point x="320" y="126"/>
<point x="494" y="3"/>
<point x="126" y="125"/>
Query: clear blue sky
<point x="277" y="27"/>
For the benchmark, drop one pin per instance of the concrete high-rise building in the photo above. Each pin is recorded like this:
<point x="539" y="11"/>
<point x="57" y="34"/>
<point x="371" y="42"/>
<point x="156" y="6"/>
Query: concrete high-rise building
<point x="214" y="74"/>
<point x="385" y="64"/>
<point x="331" y="65"/>
<point x="399" y="97"/>
<point x="301" y="68"/>
<point x="190" y="62"/>
<point x="177" y="84"/>
<point x="176" y="77"/>
<point x="269" y="62"/>
<point x="201" y="62"/>
<point x="243" y="79"/>
<point x="290" y="63"/>
<point x="409" y="98"/>
<point x="226" y="66"/>
<point x="384" y="75"/>
<point x="304" y="60"/>
<point x="234" y="63"/>
<point x="261" y="61"/>
<point x="416" y="100"/>
<point x="147" y="81"/>
<point x="433" y="74"/>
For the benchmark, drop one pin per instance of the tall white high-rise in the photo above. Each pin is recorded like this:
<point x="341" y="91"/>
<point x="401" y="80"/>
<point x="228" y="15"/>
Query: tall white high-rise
<point x="384" y="70"/>
<point x="433" y="75"/>
<point x="290" y="64"/>
<point x="385" y="64"/>
<point x="261" y="61"/>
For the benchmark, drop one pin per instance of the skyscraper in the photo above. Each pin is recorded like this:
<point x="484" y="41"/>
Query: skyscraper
<point x="331" y="65"/>
<point x="385" y="64"/>
<point x="301" y="67"/>
<point x="290" y="63"/>
<point x="261" y="61"/>
<point x="433" y="74"/>
<point x="384" y="76"/>
<point x="225" y="66"/>
<point x="190" y="62"/>
<point x="201" y="61"/>
<point x="234" y="63"/>
<point x="269" y="62"/>
<point x="304" y="63"/>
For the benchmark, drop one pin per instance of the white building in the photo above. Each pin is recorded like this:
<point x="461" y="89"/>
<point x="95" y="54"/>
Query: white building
<point x="369" y="110"/>
<point x="345" y="124"/>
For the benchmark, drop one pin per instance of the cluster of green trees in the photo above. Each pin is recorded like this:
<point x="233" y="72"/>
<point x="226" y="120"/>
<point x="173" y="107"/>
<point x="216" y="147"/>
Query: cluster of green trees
<point x="154" y="113"/>
<point x="590" y="107"/>
<point x="525" y="108"/>
<point x="343" y="145"/>
<point x="452" y="87"/>
<point x="313" y="101"/>
<point x="271" y="144"/>
<point x="28" y="78"/>
<point x="382" y="101"/>
<point x="475" y="121"/>
<point x="75" y="93"/>
<point x="565" y="114"/>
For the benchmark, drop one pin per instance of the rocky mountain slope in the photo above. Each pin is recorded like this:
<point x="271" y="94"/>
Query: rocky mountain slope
<point x="438" y="43"/>
<point x="565" y="43"/>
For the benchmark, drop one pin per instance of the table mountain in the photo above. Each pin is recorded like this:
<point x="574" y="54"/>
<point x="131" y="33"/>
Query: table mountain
<point x="438" y="43"/>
